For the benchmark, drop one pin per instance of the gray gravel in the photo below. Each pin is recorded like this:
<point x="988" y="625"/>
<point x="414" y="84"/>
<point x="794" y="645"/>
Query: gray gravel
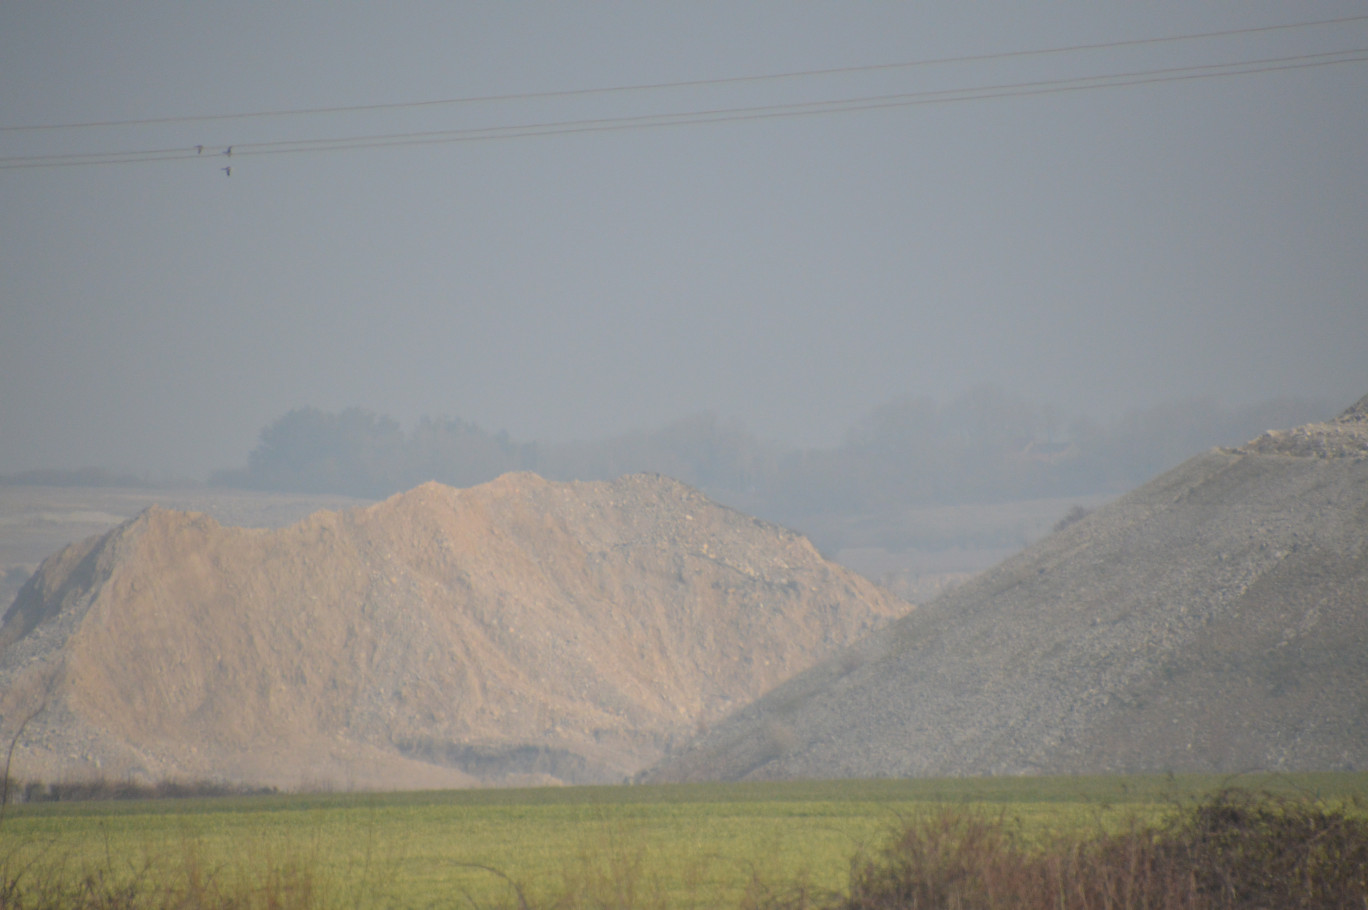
<point x="1215" y="619"/>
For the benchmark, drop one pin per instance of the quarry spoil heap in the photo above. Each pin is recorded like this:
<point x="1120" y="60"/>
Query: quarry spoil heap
<point x="520" y="631"/>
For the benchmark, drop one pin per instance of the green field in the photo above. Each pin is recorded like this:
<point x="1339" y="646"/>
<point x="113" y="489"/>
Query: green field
<point x="675" y="846"/>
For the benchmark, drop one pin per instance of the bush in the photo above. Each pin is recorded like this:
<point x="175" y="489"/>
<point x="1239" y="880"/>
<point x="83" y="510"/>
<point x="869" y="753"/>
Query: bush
<point x="1235" y="851"/>
<point x="101" y="788"/>
<point x="1245" y="851"/>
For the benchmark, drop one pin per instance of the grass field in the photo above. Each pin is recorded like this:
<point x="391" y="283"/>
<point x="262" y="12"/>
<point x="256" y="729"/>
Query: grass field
<point x="669" y="846"/>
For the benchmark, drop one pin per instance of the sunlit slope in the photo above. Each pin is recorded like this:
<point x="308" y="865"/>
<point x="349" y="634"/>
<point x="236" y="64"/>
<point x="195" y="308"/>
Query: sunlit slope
<point x="517" y="631"/>
<point x="1216" y="619"/>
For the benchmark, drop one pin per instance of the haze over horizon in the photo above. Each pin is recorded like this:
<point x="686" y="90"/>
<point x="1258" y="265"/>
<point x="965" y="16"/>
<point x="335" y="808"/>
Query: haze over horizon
<point x="1197" y="232"/>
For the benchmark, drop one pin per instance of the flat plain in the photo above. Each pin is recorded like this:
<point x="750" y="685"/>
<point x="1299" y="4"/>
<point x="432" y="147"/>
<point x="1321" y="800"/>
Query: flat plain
<point x="697" y="845"/>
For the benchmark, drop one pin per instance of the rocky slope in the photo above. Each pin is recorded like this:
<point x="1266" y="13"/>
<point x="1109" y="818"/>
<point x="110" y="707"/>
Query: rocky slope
<point x="1216" y="619"/>
<point x="518" y="631"/>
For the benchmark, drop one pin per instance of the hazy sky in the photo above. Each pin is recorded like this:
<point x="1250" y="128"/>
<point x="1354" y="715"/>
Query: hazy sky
<point x="1099" y="249"/>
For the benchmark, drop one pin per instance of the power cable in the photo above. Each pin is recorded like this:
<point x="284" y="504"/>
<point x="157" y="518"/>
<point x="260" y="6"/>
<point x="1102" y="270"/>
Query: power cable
<point x="695" y="83"/>
<point x="719" y="115"/>
<point x="809" y="108"/>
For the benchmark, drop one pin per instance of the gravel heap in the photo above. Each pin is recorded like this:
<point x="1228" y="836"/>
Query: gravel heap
<point x="1213" y="620"/>
<point x="519" y="632"/>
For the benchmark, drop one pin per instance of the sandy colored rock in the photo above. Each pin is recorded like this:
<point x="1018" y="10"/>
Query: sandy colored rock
<point x="520" y="631"/>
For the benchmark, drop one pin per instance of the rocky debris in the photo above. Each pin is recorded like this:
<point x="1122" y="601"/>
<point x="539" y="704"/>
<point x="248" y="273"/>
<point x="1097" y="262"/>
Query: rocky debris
<point x="1344" y="437"/>
<point x="1214" y="620"/>
<point x="520" y="631"/>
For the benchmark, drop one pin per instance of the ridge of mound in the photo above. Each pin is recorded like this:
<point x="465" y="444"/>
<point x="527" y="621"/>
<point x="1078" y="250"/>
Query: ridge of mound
<point x="1355" y="413"/>
<point x="1213" y="620"/>
<point x="520" y="631"/>
<point x="1346" y="436"/>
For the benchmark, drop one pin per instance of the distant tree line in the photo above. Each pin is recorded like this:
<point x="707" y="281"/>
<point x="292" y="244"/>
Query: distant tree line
<point x="359" y="453"/>
<point x="79" y="477"/>
<point x="985" y="446"/>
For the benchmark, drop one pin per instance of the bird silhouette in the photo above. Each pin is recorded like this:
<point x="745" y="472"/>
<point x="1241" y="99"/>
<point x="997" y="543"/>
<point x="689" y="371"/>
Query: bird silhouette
<point x="227" y="171"/>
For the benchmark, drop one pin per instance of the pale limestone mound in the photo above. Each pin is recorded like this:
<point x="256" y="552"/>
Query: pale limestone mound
<point x="520" y="631"/>
<point x="1213" y="620"/>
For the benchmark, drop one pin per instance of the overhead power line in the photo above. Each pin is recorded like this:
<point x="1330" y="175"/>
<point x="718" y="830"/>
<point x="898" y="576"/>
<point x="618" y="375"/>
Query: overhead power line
<point x="719" y="115"/>
<point x="807" y="108"/>
<point x="695" y="83"/>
